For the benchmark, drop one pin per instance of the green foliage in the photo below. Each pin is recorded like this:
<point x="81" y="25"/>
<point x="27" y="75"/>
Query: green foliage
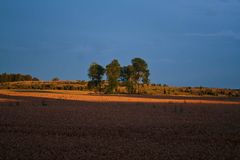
<point x="131" y="79"/>
<point x="4" y="77"/>
<point x="113" y="71"/>
<point x="55" y="79"/>
<point x="49" y="85"/>
<point x="134" y="75"/>
<point x="126" y="73"/>
<point x="140" y="71"/>
<point x="130" y="87"/>
<point x="35" y="79"/>
<point x="95" y="73"/>
<point x="124" y="87"/>
<point x="126" y="76"/>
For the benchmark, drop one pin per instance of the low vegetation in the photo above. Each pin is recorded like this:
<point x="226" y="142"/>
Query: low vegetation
<point x="132" y="79"/>
<point x="149" y="89"/>
<point x="16" y="77"/>
<point x="45" y="85"/>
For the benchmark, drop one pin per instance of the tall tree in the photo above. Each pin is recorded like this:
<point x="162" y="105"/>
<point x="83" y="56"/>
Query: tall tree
<point x="140" y="72"/>
<point x="113" y="71"/>
<point x="95" y="73"/>
<point x="126" y="77"/>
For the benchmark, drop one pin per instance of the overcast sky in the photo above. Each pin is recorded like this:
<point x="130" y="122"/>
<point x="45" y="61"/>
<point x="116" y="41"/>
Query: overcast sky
<point x="185" y="42"/>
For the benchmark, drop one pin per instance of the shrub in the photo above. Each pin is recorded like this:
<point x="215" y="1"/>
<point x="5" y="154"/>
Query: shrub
<point x="55" y="79"/>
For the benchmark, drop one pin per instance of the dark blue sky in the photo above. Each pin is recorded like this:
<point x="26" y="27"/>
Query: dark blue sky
<point x="185" y="42"/>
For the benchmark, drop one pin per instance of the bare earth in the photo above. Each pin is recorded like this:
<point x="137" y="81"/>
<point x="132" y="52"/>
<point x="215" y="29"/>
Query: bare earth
<point x="74" y="125"/>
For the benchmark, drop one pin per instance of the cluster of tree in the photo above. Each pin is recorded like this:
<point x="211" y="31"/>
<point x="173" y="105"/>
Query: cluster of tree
<point x="130" y="76"/>
<point x="4" y="77"/>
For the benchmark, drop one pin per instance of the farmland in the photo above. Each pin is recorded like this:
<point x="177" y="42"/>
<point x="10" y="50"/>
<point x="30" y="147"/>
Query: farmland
<point x="46" y="124"/>
<point x="147" y="89"/>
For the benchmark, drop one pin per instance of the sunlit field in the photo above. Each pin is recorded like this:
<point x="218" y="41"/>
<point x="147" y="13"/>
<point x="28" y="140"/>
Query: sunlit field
<point x="44" y="124"/>
<point x="119" y="80"/>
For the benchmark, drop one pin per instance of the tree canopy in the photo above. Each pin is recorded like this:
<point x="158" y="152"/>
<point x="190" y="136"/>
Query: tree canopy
<point x="95" y="73"/>
<point x="140" y="71"/>
<point x="4" y="77"/>
<point x="131" y="76"/>
<point x="113" y="71"/>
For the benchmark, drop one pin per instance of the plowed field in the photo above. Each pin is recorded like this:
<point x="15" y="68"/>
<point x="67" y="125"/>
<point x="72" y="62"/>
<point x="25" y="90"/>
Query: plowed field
<point x="72" y="125"/>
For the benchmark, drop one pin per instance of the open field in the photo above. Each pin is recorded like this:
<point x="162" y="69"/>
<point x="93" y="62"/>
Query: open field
<point x="150" y="89"/>
<point x="79" y="125"/>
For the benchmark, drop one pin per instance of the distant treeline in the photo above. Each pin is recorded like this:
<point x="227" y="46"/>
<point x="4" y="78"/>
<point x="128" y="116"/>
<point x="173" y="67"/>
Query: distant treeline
<point x="46" y="85"/>
<point x="4" y="77"/>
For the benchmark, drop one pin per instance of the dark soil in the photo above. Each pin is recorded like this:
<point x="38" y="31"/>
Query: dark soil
<point x="37" y="128"/>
